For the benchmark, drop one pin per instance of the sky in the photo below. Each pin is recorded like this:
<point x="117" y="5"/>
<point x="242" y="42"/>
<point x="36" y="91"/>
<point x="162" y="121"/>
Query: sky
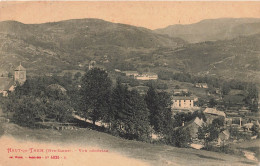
<point x="147" y="14"/>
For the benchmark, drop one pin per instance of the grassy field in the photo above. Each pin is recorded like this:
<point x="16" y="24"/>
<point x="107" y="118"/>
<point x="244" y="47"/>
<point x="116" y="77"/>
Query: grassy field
<point x="250" y="145"/>
<point x="125" y="152"/>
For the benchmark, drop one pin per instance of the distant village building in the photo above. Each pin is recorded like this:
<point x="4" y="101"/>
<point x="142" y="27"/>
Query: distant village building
<point x="8" y="84"/>
<point x="180" y="91"/>
<point x="182" y="102"/>
<point x="131" y="73"/>
<point x="201" y="85"/>
<point x="213" y="113"/>
<point x="117" y="70"/>
<point x="143" y="76"/>
<point x="147" y="76"/>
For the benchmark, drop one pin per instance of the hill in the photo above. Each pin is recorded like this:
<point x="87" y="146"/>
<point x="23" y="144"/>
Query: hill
<point x="238" y="58"/>
<point x="213" y="29"/>
<point x="60" y="45"/>
<point x="120" y="151"/>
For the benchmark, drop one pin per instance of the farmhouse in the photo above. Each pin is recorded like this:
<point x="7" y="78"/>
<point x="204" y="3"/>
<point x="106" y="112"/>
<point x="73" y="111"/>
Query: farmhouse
<point x="193" y="126"/>
<point x="8" y="84"/>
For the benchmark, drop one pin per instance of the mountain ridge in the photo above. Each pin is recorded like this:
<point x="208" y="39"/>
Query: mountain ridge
<point x="212" y="29"/>
<point x="70" y="45"/>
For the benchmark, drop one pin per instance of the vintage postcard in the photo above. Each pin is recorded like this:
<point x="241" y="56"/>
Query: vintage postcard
<point x="129" y="83"/>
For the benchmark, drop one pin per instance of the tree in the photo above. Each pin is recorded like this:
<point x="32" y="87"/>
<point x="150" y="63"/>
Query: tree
<point x="159" y="105"/>
<point x="25" y="111"/>
<point x="218" y="122"/>
<point x="59" y="111"/>
<point x="212" y="103"/>
<point x="10" y="75"/>
<point x="118" y="106"/>
<point x="77" y="76"/>
<point x="179" y="138"/>
<point x="226" y="88"/>
<point x="95" y="92"/>
<point x="137" y="123"/>
<point x="255" y="130"/>
<point x="208" y="133"/>
<point x="129" y="114"/>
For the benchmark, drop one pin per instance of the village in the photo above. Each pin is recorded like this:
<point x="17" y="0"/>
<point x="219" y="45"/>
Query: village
<point x="236" y="124"/>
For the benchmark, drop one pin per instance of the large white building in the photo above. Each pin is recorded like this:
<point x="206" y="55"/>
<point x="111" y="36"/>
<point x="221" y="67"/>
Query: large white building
<point x="182" y="102"/>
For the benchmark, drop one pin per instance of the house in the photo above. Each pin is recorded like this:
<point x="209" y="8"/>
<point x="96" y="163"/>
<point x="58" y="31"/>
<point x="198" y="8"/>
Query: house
<point x="130" y="73"/>
<point x="213" y="113"/>
<point x="223" y="136"/>
<point x="193" y="126"/>
<point x="180" y="91"/>
<point x="201" y="85"/>
<point x="147" y="76"/>
<point x="8" y="84"/>
<point x="182" y="102"/>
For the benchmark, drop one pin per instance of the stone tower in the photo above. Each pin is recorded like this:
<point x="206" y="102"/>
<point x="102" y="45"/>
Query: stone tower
<point x="20" y="74"/>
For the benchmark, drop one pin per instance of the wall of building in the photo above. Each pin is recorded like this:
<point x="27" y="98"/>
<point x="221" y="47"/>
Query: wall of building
<point x="183" y="104"/>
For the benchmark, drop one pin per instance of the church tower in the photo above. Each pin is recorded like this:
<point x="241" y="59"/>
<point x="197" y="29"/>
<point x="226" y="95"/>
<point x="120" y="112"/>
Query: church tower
<point x="20" y="74"/>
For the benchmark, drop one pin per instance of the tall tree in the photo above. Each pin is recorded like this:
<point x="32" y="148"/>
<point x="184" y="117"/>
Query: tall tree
<point x="95" y="92"/>
<point x="118" y="105"/>
<point x="137" y="124"/>
<point x="159" y="105"/>
<point x="130" y="114"/>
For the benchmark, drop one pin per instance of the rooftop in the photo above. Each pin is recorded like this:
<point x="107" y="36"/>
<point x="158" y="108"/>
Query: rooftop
<point x="6" y="83"/>
<point x="182" y="98"/>
<point x="20" y="68"/>
<point x="214" y="111"/>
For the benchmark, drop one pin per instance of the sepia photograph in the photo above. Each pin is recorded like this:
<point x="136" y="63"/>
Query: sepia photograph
<point x="129" y="83"/>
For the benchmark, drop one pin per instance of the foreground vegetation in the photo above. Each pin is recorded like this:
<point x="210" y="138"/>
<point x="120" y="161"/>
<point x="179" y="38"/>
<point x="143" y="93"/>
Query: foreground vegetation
<point x="149" y="153"/>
